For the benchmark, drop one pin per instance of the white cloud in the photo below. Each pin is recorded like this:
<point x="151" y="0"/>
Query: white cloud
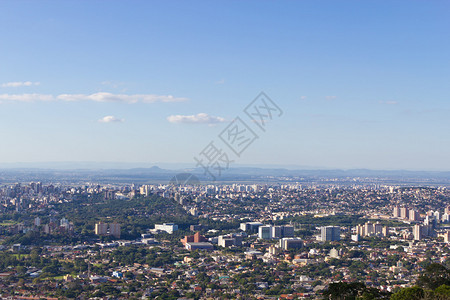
<point x="200" y="118"/>
<point x="26" y="97"/>
<point x="109" y="97"/>
<point x="330" y="97"/>
<point x="111" y="119"/>
<point x="19" y="83"/>
<point x="221" y="81"/>
<point x="302" y="97"/>
<point x="96" y="97"/>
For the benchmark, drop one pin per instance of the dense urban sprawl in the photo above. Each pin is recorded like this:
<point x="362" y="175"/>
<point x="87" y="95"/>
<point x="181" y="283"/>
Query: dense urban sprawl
<point x="255" y="241"/>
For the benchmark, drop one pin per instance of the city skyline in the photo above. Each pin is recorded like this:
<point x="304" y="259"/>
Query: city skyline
<point x="360" y="84"/>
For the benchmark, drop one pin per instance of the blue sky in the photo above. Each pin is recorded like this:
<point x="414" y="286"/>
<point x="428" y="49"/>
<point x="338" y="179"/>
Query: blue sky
<point x="362" y="84"/>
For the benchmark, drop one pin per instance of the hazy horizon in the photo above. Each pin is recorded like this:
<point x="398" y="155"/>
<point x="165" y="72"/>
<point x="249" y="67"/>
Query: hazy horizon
<point x="105" y="165"/>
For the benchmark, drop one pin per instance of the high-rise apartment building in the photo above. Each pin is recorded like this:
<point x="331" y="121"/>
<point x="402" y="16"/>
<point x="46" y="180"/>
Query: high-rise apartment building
<point x="377" y="228"/>
<point x="385" y="231"/>
<point x="287" y="231"/>
<point x="414" y="215"/>
<point x="360" y="230"/>
<point x="371" y="229"/>
<point x="404" y="213"/>
<point x="330" y="233"/>
<point x="114" y="230"/>
<point x="418" y="232"/>
<point x="101" y="228"/>
<point x="396" y="212"/>
<point x="108" y="229"/>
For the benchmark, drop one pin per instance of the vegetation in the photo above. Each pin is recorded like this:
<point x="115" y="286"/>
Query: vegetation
<point x="353" y="291"/>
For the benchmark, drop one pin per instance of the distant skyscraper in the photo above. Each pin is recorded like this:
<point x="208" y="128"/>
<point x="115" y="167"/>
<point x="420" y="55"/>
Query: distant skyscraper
<point x="330" y="233"/>
<point x="378" y="228"/>
<point x="417" y="232"/>
<point x="144" y="190"/>
<point x="369" y="229"/>
<point x="396" y="212"/>
<point x="277" y="232"/>
<point x="287" y="231"/>
<point x="114" y="230"/>
<point x="265" y="232"/>
<point x="101" y="228"/>
<point x="430" y="220"/>
<point x="404" y="213"/>
<point x="414" y="215"/>
<point x="360" y="230"/>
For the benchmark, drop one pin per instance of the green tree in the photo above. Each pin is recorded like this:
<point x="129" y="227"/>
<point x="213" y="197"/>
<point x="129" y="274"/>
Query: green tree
<point x="434" y="276"/>
<point x="412" y="293"/>
<point x="343" y="290"/>
<point x="443" y="291"/>
<point x="353" y="291"/>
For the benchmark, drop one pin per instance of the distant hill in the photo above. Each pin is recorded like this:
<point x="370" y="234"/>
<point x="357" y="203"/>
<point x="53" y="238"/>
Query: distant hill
<point x="156" y="174"/>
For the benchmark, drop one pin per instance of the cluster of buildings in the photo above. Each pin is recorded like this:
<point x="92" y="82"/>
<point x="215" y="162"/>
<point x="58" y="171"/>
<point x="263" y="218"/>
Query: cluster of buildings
<point x="307" y="263"/>
<point x="230" y="240"/>
<point x="425" y="224"/>
<point x="267" y="232"/>
<point x="371" y="229"/>
<point x="405" y="213"/>
<point x="52" y="225"/>
<point x="196" y="242"/>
